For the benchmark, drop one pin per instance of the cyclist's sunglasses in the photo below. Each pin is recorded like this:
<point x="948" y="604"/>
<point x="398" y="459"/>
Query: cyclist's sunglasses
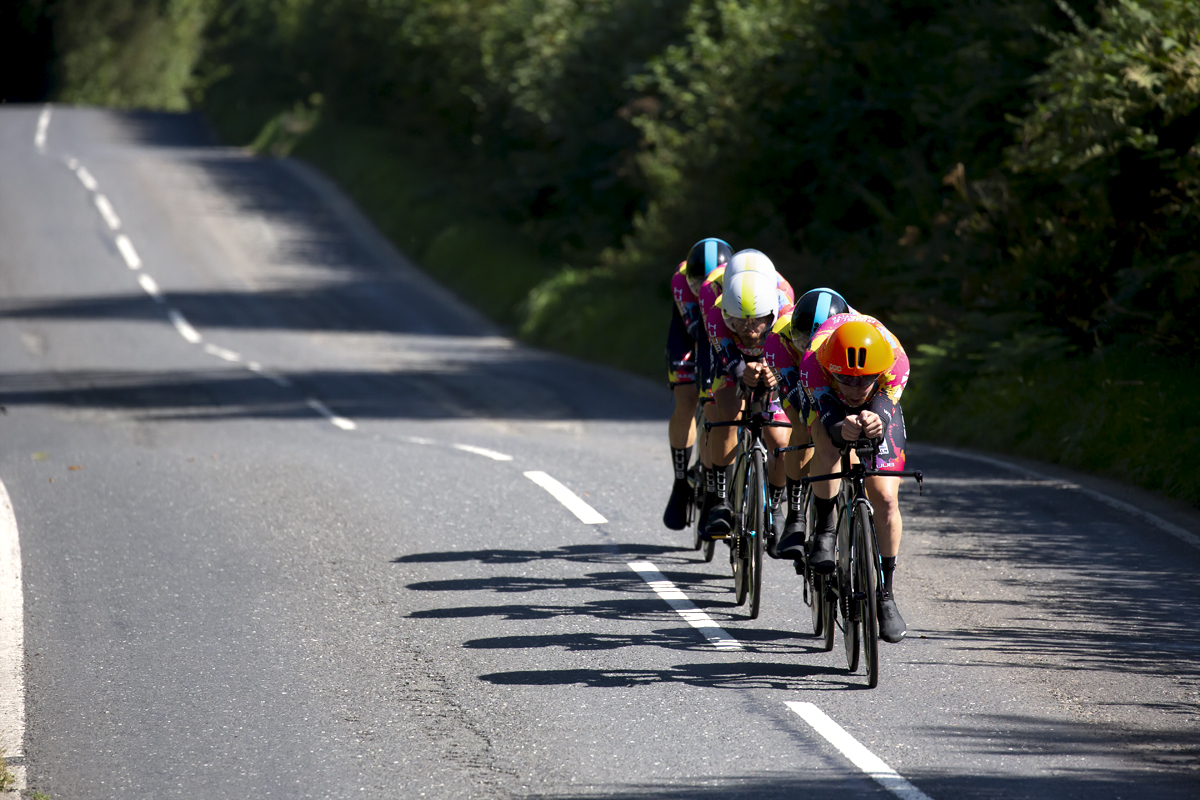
<point x="856" y="380"/>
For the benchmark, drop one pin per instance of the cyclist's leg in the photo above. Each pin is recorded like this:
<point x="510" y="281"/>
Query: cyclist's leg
<point x="791" y="543"/>
<point x="681" y="432"/>
<point x="825" y="459"/>
<point x="722" y="447"/>
<point x="884" y="493"/>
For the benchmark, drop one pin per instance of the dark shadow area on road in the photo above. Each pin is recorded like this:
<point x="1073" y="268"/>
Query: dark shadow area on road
<point x="1085" y="587"/>
<point x="1015" y="736"/>
<point x="708" y="590"/>
<point x="587" y="553"/>
<point x="522" y="384"/>
<point x="164" y="129"/>
<point x="695" y="585"/>
<point x="365" y="305"/>
<point x="1097" y="784"/>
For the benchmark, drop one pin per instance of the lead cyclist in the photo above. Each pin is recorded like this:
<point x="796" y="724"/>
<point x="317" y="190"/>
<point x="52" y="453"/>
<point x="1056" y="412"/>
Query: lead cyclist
<point x="854" y="373"/>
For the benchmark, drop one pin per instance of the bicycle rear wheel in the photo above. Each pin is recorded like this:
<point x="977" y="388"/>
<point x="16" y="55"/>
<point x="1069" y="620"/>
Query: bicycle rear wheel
<point x="755" y="532"/>
<point x="866" y="585"/>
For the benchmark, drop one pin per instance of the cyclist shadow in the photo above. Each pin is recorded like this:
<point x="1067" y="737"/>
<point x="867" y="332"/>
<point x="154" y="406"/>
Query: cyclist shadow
<point x="739" y="676"/>
<point x="587" y="553"/>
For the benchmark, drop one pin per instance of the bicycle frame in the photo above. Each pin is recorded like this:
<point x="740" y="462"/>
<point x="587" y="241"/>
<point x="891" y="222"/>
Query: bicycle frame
<point x="750" y="498"/>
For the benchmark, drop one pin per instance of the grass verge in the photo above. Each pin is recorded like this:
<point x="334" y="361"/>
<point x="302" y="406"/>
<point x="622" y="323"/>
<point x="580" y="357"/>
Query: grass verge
<point x="1124" y="416"/>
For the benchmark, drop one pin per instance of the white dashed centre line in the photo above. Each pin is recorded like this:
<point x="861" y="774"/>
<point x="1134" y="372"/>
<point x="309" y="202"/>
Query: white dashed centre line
<point x="181" y="325"/>
<point x="222" y="353"/>
<point x="106" y="210"/>
<point x="86" y="179"/>
<point x="572" y="501"/>
<point x="127" y="252"/>
<point x="861" y="757"/>
<point x="43" y="127"/>
<point x="717" y="636"/>
<point x="150" y="287"/>
<point x="323" y="410"/>
<point x="482" y="451"/>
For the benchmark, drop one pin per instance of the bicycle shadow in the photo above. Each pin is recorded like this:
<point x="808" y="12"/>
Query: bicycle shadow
<point x="786" y="676"/>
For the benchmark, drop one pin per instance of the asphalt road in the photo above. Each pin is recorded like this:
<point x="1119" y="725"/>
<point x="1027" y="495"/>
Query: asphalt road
<point x="255" y="563"/>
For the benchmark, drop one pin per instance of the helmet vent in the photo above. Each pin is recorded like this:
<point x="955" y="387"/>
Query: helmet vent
<point x="862" y="357"/>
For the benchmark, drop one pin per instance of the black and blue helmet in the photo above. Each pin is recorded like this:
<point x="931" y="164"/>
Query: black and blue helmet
<point x="705" y="256"/>
<point x="813" y="308"/>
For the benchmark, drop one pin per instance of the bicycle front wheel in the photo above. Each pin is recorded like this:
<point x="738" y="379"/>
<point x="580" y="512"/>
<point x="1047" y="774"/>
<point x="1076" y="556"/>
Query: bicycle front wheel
<point x="846" y="559"/>
<point x="738" y="546"/>
<point x="755" y="531"/>
<point x="866" y="586"/>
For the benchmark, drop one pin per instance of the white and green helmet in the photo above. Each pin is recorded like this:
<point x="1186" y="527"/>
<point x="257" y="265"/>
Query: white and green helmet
<point x="749" y="261"/>
<point x="750" y="294"/>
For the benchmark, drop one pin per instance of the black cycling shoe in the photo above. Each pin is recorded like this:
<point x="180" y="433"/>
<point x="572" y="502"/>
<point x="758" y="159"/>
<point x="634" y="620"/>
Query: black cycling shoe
<point x="776" y="531"/>
<point x="891" y="624"/>
<point x="791" y="543"/>
<point x="705" y="506"/>
<point x="821" y="556"/>
<point x="720" y="521"/>
<point x="675" y="517"/>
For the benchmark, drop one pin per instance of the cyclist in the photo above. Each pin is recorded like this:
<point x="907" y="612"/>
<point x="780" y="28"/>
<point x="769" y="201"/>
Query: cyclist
<point x="854" y="373"/>
<point x="687" y="352"/>
<point x="785" y="348"/>
<point x="753" y="298"/>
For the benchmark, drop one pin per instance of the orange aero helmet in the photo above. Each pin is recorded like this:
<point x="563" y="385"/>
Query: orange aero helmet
<point x="856" y="348"/>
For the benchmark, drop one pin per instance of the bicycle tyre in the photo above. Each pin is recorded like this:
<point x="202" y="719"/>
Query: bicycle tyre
<point x="828" y="611"/>
<point x="866" y="584"/>
<point x="813" y="586"/>
<point x="737" y="546"/>
<point x="755" y="533"/>
<point x="696" y="504"/>
<point x="846" y="560"/>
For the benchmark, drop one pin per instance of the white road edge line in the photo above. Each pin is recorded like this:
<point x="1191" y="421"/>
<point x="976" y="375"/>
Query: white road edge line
<point x="323" y="410"/>
<point x="12" y="642"/>
<point x="1183" y="534"/>
<point x="482" y="451"/>
<point x="107" y="211"/>
<point x="717" y="636"/>
<point x="127" y="252"/>
<point x="43" y="127"/>
<point x="181" y="325"/>
<point x="573" y="502"/>
<point x="861" y="757"/>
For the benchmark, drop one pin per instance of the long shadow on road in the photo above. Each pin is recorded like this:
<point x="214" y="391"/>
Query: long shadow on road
<point x="525" y="384"/>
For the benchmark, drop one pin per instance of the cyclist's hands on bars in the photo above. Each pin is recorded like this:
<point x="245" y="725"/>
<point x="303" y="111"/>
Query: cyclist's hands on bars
<point x="865" y="425"/>
<point x="758" y="372"/>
